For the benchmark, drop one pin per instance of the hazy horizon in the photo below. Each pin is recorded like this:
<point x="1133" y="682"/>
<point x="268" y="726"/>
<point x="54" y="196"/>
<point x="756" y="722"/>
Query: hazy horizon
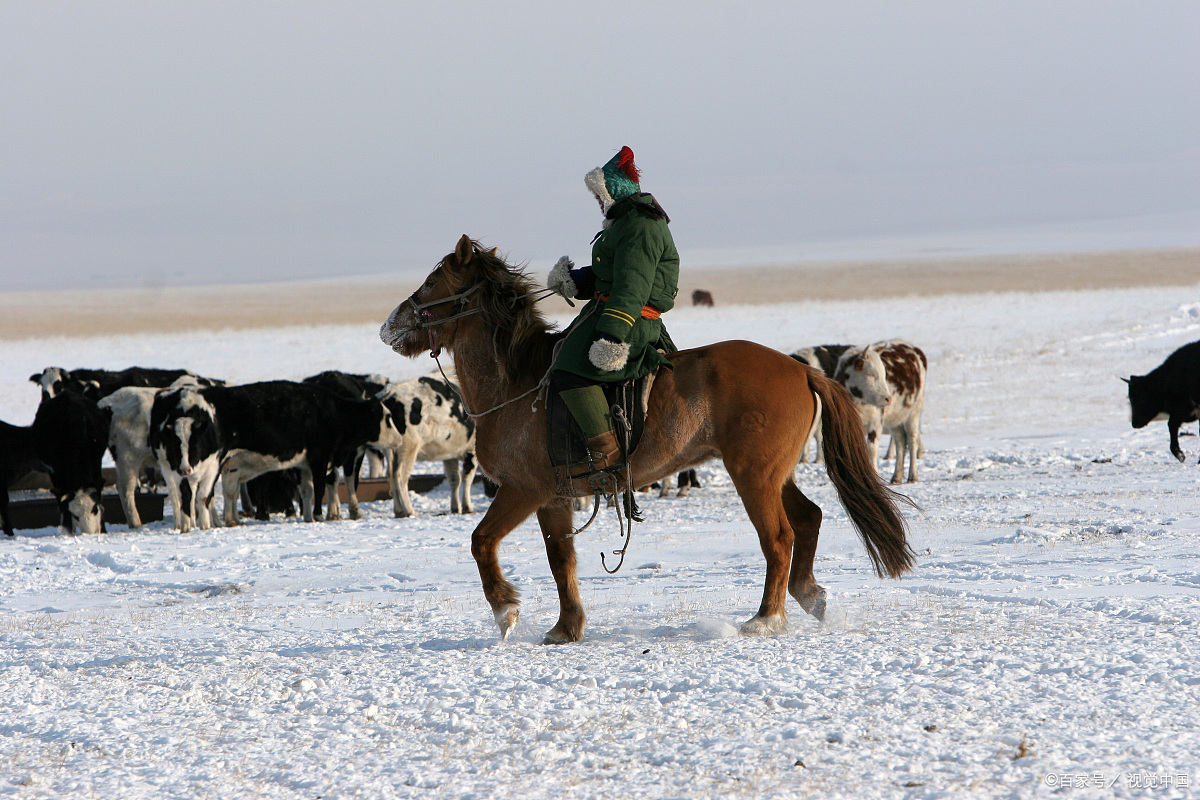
<point x="156" y="144"/>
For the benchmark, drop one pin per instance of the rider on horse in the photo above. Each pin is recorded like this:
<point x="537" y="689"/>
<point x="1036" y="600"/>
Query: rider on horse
<point x="631" y="281"/>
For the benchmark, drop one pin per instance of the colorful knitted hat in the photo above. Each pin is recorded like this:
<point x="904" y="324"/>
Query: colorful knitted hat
<point x="616" y="180"/>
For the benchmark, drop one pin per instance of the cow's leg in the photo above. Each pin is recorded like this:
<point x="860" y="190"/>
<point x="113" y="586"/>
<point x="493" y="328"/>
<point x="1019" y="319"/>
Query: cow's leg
<point x="403" y="460"/>
<point x="1173" y="423"/>
<point x="352" y="469"/>
<point x="127" y="481"/>
<point x="187" y="505"/>
<point x="231" y="483"/>
<point x="555" y="521"/>
<point x="205" y="497"/>
<point x="469" y="469"/>
<point x="377" y="465"/>
<point x="309" y="489"/>
<point x="333" y="504"/>
<point x="508" y="510"/>
<point x="685" y="480"/>
<point x="453" y="472"/>
<point x="5" y="520"/>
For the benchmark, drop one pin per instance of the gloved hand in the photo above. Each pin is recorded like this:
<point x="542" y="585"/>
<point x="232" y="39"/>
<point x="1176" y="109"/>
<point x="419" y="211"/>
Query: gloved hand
<point x="608" y="353"/>
<point x="560" y="278"/>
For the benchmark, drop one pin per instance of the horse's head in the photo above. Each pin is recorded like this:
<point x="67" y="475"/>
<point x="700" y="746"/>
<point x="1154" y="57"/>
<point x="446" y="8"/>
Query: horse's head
<point x="426" y="320"/>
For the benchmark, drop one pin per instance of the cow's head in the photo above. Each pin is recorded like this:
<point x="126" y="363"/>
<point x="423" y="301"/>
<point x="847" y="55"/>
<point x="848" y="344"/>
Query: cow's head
<point x="183" y="430"/>
<point x="864" y="377"/>
<point x="52" y="380"/>
<point x="1145" y="403"/>
<point x="390" y="435"/>
<point x="81" y="511"/>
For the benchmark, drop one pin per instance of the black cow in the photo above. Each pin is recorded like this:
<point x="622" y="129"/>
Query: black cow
<point x="269" y="426"/>
<point x="1171" y="392"/>
<point x="70" y="435"/>
<point x="100" y="383"/>
<point x="354" y="387"/>
<point x="17" y="459"/>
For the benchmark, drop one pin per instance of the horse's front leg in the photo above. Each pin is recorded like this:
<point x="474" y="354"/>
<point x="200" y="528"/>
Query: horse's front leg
<point x="560" y="550"/>
<point x="508" y="510"/>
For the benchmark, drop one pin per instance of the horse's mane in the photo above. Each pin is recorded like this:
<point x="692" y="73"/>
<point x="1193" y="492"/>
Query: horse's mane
<point x="522" y="338"/>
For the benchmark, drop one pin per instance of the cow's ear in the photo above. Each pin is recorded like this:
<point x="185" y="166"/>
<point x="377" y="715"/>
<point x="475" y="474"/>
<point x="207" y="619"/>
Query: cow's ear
<point x="35" y="377"/>
<point x="464" y="250"/>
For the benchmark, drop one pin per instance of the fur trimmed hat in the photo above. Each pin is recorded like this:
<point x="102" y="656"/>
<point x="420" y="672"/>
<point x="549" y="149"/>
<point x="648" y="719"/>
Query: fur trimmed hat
<point x="616" y="180"/>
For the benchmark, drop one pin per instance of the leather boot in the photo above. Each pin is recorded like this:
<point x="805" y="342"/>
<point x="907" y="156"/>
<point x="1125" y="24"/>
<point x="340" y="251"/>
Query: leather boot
<point x="603" y="452"/>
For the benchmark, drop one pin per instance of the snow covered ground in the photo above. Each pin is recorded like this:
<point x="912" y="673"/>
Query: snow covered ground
<point x="1048" y="643"/>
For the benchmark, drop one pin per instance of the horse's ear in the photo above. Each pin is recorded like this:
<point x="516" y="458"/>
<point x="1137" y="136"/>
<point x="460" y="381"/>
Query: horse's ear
<point x="494" y="252"/>
<point x="464" y="249"/>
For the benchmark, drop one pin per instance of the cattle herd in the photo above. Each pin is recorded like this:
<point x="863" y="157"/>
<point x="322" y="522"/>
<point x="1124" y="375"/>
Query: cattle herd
<point x="275" y="442"/>
<point x="261" y="440"/>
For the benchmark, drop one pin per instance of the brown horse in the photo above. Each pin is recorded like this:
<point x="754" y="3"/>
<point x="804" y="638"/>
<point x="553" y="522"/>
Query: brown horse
<point x="751" y="406"/>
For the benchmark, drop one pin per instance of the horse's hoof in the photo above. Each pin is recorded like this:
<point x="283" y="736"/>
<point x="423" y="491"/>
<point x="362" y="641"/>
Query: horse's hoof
<point x="506" y="619"/>
<point x="562" y="634"/>
<point x="765" y="626"/>
<point x="814" y="603"/>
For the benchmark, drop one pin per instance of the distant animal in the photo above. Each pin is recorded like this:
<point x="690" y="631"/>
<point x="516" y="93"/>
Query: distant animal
<point x="70" y="435"/>
<point x="825" y="358"/>
<point x="701" y="297"/>
<point x="748" y="404"/>
<point x="100" y="383"/>
<point x="17" y="459"/>
<point x="685" y="481"/>
<point x="354" y="387"/>
<point x="435" y="426"/>
<point x="887" y="382"/>
<point x="1170" y="391"/>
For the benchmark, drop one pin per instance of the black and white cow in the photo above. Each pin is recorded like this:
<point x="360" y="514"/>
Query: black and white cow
<point x="1171" y="392"/>
<point x="355" y="387"/>
<point x="278" y="425"/>
<point x="100" y="383"/>
<point x="435" y="426"/>
<point x="185" y="439"/>
<point x="886" y="380"/>
<point x="70" y="435"/>
<point x="825" y="358"/>
<point x="17" y="459"/>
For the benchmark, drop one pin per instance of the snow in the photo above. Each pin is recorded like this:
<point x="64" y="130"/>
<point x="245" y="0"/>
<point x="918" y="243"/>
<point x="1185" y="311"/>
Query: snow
<point x="1046" y="644"/>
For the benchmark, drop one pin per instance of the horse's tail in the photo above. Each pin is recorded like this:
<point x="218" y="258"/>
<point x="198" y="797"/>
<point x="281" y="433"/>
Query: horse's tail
<point x="872" y="506"/>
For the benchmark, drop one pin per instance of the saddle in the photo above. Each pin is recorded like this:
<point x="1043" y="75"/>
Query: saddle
<point x="566" y="443"/>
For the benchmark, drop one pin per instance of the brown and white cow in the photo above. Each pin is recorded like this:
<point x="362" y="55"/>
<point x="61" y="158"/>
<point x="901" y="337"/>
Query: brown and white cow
<point x="887" y="383"/>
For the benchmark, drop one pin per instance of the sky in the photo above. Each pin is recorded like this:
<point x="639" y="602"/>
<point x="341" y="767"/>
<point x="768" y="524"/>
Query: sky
<point x="148" y="144"/>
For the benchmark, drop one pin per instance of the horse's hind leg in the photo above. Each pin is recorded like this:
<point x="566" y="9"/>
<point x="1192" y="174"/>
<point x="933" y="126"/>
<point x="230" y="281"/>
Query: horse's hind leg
<point x="508" y="510"/>
<point x="560" y="550"/>
<point x="805" y="517"/>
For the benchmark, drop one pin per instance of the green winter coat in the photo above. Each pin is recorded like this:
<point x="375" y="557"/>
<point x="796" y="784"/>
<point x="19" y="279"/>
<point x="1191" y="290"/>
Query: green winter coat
<point x="635" y="264"/>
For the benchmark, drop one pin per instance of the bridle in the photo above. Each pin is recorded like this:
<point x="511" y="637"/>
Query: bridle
<point x="425" y="320"/>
